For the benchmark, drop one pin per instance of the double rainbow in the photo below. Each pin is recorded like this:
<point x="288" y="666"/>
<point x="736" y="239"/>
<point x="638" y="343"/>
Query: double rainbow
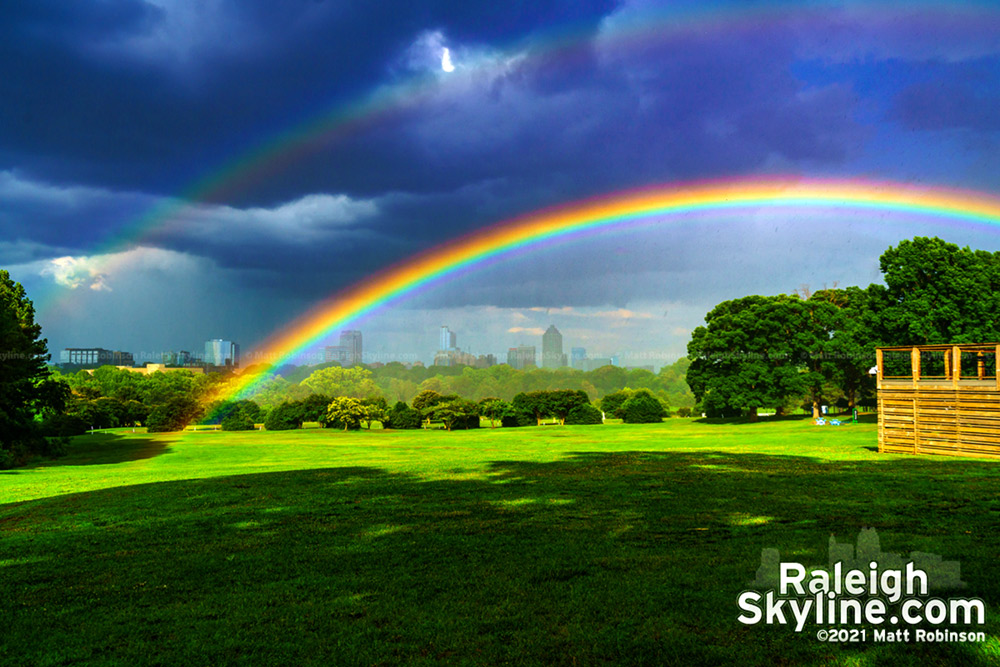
<point x="657" y="206"/>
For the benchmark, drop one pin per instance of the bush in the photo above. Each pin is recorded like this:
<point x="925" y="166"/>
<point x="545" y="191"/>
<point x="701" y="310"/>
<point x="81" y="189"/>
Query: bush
<point x="238" y="421"/>
<point x="173" y="415"/>
<point x="683" y="412"/>
<point x="285" y="417"/>
<point x="642" y="408"/>
<point x="518" y="418"/>
<point x="612" y="403"/>
<point x="584" y="414"/>
<point x="63" y="425"/>
<point x="402" y="416"/>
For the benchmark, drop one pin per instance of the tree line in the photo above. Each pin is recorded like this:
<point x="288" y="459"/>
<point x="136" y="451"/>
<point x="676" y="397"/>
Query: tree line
<point x="786" y="351"/>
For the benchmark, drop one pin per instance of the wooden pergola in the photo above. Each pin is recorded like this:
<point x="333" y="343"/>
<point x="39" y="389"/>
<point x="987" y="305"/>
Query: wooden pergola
<point x="939" y="399"/>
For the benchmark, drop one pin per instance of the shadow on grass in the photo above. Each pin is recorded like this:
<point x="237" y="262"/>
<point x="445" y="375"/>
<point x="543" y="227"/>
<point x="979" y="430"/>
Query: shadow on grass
<point x="746" y="420"/>
<point x="629" y="558"/>
<point x="105" y="448"/>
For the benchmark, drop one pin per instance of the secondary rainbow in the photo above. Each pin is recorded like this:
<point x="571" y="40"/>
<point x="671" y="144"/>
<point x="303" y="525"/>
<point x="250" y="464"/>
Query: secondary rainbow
<point x="662" y="205"/>
<point x="290" y="144"/>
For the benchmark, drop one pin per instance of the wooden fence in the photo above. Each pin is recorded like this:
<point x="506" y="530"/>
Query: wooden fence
<point x="939" y="399"/>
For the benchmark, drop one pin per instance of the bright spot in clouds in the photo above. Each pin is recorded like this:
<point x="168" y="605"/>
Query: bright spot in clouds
<point x="446" y="64"/>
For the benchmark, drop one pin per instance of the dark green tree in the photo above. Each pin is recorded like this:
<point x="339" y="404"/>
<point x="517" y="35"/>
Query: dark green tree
<point x="495" y="409"/>
<point x="584" y="414"/>
<point x="562" y="401"/>
<point x="751" y="354"/>
<point x="533" y="403"/>
<point x="936" y="292"/>
<point x="173" y="414"/>
<point x="284" y="417"/>
<point x="612" y="403"/>
<point x="26" y="386"/>
<point x="643" y="408"/>
<point x="402" y="416"/>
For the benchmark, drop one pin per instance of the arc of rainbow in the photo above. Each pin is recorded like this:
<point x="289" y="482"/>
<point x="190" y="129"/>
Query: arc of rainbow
<point x="437" y="264"/>
<point x="331" y="124"/>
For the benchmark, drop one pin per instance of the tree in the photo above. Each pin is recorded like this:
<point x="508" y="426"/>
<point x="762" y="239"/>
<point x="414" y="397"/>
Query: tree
<point x="173" y="415"/>
<point x="26" y="386"/>
<point x="346" y="411"/>
<point x="936" y="292"/>
<point x="373" y="409"/>
<point x="584" y="414"/>
<point x="612" y="403"/>
<point x="750" y="354"/>
<point x="495" y="409"/>
<point x="642" y="408"/>
<point x="336" y="381"/>
<point x="284" y="417"/>
<point x="402" y="416"/>
<point x="561" y="402"/>
<point x="454" y="413"/>
<point x="534" y="403"/>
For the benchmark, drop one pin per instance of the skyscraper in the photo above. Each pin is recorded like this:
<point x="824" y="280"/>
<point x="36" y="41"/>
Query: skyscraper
<point x="577" y="356"/>
<point x="448" y="341"/>
<point x="220" y="352"/>
<point x="552" y="350"/>
<point x="350" y="345"/>
<point x="522" y="356"/>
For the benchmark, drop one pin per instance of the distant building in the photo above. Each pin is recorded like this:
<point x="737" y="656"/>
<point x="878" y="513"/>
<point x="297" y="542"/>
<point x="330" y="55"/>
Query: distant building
<point x="94" y="357"/>
<point x="578" y="356"/>
<point x="349" y="352"/>
<point x="593" y="364"/>
<point x="522" y="356"/>
<point x="350" y="341"/>
<point x="485" y="361"/>
<point x="180" y="358"/>
<point x="219" y="352"/>
<point x="448" y="339"/>
<point x="552" y="348"/>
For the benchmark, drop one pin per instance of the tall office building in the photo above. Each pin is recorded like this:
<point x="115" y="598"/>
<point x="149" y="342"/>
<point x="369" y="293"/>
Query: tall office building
<point x="93" y="357"/>
<point x="447" y="341"/>
<point x="220" y="352"/>
<point x="578" y="355"/>
<point x="350" y="344"/>
<point x="522" y="356"/>
<point x="552" y="349"/>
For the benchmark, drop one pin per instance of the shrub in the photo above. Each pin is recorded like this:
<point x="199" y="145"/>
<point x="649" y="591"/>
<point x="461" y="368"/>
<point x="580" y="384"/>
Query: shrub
<point x="584" y="414"/>
<point x="173" y="415"/>
<point x="284" y="417"/>
<point x="402" y="416"/>
<point x="517" y="418"/>
<point x="238" y="421"/>
<point x="613" y="402"/>
<point x="683" y="412"/>
<point x="642" y="408"/>
<point x="64" y="425"/>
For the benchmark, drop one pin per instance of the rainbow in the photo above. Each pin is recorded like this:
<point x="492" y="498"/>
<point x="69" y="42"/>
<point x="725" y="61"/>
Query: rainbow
<point x="657" y="206"/>
<point x="343" y="119"/>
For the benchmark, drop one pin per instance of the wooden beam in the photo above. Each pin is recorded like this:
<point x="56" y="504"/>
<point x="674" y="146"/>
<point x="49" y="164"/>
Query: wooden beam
<point x="878" y="371"/>
<point x="956" y="355"/>
<point x="980" y="365"/>
<point x="915" y="366"/>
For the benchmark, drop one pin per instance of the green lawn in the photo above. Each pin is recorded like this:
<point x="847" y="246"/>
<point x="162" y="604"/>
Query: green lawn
<point x="614" y="544"/>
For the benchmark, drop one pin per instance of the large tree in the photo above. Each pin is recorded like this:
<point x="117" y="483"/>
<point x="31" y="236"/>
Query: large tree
<point x="26" y="387"/>
<point x="936" y="292"/>
<point x="750" y="354"/>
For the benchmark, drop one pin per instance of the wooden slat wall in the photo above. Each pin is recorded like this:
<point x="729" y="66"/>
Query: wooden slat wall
<point x="953" y="419"/>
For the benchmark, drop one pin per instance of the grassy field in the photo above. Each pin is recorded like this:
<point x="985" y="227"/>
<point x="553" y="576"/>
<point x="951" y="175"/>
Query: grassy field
<point x="614" y="544"/>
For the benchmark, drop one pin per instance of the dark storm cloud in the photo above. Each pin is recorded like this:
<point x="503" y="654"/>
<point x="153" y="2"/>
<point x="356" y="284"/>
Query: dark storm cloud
<point x="958" y="96"/>
<point x="127" y="94"/>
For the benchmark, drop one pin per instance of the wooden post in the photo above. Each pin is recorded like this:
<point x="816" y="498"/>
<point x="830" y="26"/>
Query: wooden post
<point x="956" y="355"/>
<point x="996" y="362"/>
<point x="878" y="369"/>
<point x="980" y="365"/>
<point x="915" y="366"/>
<point x="947" y="364"/>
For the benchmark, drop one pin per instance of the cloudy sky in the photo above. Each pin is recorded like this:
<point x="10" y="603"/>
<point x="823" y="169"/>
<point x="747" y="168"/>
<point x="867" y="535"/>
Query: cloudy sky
<point x="173" y="171"/>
